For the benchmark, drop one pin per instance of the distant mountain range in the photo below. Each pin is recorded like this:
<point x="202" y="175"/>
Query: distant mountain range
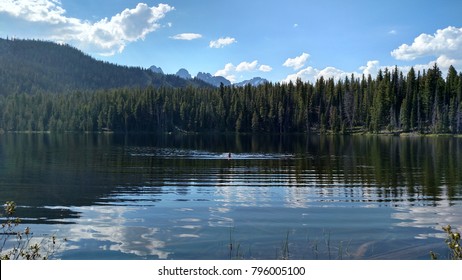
<point x="31" y="66"/>
<point x="215" y="81"/>
<point x="253" y="82"/>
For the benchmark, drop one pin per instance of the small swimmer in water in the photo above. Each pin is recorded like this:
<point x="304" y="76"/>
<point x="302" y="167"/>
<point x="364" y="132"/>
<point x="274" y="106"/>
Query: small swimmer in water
<point x="229" y="155"/>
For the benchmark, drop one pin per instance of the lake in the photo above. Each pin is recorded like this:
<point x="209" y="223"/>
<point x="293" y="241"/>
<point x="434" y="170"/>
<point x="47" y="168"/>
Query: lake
<point x="235" y="196"/>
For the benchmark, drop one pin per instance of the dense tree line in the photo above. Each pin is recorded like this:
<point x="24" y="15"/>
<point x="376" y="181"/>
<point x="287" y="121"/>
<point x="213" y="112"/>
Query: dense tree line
<point x="418" y="102"/>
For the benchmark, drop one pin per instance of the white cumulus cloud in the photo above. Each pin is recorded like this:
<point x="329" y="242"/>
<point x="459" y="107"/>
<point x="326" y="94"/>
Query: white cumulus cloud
<point x="296" y="62"/>
<point x="445" y="44"/>
<point x="106" y="36"/>
<point x="372" y="68"/>
<point x="443" y="47"/>
<point x="230" y="71"/>
<point x="229" y="67"/>
<point x="247" y="66"/>
<point x="334" y="73"/>
<point x="311" y="74"/>
<point x="187" y="36"/>
<point x="307" y="74"/>
<point x="35" y="10"/>
<point x="222" y="42"/>
<point x="265" y="68"/>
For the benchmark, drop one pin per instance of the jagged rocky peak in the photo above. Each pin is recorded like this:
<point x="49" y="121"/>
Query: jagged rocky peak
<point x="156" y="69"/>
<point x="253" y="82"/>
<point x="183" y="73"/>
<point x="213" y="80"/>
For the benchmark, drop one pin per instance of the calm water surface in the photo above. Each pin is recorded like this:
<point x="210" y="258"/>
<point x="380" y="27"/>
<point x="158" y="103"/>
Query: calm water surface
<point x="182" y="197"/>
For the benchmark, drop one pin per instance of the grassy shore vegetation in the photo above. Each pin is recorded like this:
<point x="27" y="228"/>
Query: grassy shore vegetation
<point x="320" y="247"/>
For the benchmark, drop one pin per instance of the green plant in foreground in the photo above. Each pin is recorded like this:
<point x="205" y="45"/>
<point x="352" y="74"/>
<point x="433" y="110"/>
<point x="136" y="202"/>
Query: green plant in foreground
<point x="20" y="242"/>
<point x="453" y="242"/>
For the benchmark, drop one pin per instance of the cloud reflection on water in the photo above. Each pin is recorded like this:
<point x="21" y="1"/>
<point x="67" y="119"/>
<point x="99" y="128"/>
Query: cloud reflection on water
<point x="109" y="225"/>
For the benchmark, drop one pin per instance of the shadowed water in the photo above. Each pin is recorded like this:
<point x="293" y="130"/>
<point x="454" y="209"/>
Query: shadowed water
<point x="230" y="196"/>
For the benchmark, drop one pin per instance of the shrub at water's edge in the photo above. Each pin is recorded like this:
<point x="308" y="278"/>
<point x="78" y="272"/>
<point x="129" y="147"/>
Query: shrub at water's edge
<point x="453" y="242"/>
<point x="19" y="245"/>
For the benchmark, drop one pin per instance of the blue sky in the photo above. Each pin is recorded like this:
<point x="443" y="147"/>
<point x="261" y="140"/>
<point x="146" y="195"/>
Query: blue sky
<point x="241" y="39"/>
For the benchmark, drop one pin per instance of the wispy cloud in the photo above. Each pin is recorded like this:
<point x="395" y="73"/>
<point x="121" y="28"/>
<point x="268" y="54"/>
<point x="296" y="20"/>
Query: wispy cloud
<point x="187" y="36"/>
<point x="106" y="37"/>
<point x="222" y="42"/>
<point x="297" y="62"/>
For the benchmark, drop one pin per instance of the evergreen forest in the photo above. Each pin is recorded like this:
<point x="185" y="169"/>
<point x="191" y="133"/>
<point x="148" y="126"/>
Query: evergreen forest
<point x="31" y="66"/>
<point x="418" y="102"/>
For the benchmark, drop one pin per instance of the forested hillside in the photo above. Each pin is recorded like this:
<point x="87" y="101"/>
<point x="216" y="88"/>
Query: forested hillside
<point x="29" y="66"/>
<point x="418" y="102"/>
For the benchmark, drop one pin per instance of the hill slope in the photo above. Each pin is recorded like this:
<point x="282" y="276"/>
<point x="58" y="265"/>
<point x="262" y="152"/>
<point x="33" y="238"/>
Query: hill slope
<point x="31" y="66"/>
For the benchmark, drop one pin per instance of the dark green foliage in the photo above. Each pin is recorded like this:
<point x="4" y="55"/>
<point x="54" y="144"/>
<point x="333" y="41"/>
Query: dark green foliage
<point x="28" y="66"/>
<point x="107" y="97"/>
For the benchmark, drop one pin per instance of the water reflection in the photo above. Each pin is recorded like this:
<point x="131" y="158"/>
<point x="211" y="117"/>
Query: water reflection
<point x="435" y="217"/>
<point x="155" y="196"/>
<point x="111" y="229"/>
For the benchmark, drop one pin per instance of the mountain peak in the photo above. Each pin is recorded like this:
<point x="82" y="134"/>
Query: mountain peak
<point x="183" y="73"/>
<point x="253" y="82"/>
<point x="156" y="69"/>
<point x="213" y="80"/>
